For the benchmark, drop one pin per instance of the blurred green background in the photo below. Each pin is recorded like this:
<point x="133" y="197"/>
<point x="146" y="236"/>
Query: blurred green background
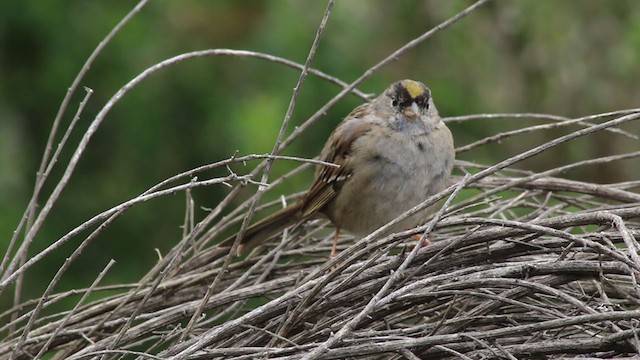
<point x="570" y="58"/>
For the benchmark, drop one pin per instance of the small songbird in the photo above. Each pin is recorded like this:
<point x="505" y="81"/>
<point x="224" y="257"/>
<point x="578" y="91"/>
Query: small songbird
<point x="393" y="153"/>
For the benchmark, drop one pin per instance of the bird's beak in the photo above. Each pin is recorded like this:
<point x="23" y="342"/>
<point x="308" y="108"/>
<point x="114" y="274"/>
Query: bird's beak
<point x="411" y="111"/>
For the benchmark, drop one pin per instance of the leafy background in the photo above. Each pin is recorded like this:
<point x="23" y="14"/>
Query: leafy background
<point x="559" y="57"/>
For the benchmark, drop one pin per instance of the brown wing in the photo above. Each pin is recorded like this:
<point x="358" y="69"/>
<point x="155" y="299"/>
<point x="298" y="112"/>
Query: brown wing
<point x="329" y="179"/>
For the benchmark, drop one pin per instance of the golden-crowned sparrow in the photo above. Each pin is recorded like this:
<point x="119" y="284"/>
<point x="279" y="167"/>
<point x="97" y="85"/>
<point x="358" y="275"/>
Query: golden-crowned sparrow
<point x="393" y="153"/>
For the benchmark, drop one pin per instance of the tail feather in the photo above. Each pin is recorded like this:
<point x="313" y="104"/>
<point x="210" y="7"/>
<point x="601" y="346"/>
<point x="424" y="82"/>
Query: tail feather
<point x="266" y="228"/>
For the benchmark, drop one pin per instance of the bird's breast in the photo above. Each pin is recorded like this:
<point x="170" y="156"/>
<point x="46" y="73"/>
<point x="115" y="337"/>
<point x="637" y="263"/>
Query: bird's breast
<point x="392" y="172"/>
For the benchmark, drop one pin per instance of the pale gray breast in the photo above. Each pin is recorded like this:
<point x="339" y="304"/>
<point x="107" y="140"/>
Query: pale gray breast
<point x="395" y="172"/>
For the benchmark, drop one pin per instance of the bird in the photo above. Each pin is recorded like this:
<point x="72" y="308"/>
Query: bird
<point x="391" y="153"/>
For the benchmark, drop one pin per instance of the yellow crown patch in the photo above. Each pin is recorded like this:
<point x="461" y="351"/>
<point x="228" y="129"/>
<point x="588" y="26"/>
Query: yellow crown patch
<point x="414" y="88"/>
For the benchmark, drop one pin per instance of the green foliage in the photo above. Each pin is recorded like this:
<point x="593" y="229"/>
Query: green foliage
<point x="530" y="55"/>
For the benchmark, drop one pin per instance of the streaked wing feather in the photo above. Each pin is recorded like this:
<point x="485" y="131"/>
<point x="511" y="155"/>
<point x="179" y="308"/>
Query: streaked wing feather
<point x="322" y="196"/>
<point x="329" y="179"/>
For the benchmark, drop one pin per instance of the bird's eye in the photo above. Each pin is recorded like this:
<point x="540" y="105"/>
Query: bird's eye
<point x="394" y="102"/>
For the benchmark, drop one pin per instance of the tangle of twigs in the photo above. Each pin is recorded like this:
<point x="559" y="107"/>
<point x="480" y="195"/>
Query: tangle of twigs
<point x="521" y="264"/>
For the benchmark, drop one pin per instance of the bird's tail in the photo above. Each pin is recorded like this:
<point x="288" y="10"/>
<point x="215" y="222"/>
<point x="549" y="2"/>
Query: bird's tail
<point x="265" y="228"/>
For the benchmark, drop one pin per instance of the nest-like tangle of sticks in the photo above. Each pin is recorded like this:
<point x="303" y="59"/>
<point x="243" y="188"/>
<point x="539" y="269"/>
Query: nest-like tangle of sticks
<point x="526" y="265"/>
